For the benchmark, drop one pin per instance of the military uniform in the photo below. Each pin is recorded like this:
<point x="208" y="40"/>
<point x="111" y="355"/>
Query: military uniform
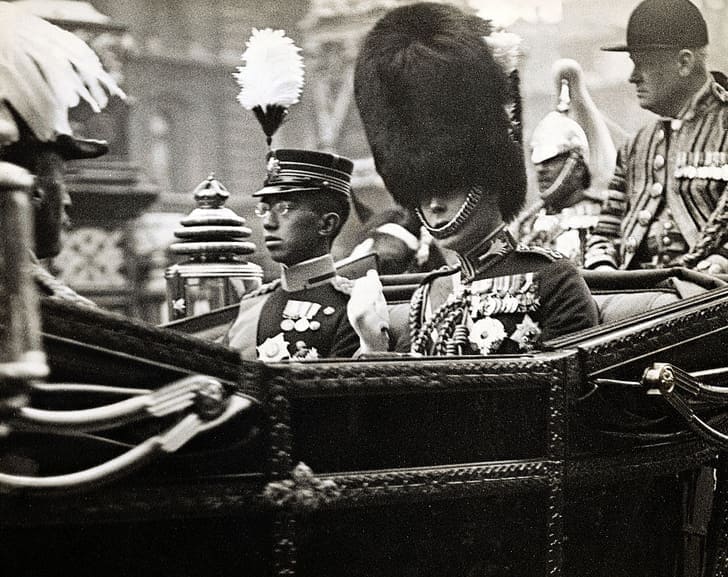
<point x="667" y="203"/>
<point x="565" y="232"/>
<point x="300" y="316"/>
<point x="506" y="299"/>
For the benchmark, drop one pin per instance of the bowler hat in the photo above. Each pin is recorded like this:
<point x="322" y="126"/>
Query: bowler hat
<point x="656" y="24"/>
<point x="291" y="170"/>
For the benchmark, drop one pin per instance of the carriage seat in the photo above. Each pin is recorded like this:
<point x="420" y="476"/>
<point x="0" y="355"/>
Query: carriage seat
<point x="618" y="294"/>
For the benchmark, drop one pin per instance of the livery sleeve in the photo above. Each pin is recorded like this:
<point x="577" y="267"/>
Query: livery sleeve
<point x="602" y="245"/>
<point x="567" y="305"/>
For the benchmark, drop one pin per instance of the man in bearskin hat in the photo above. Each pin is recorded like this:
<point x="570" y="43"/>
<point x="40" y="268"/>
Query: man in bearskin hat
<point x="433" y="100"/>
<point x="303" y="205"/>
<point x="668" y="203"/>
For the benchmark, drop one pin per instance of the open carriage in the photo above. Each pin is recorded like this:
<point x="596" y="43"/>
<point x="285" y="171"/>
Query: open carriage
<point x="594" y="457"/>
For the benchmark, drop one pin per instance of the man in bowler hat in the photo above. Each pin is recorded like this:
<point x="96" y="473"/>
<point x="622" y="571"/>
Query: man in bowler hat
<point x="302" y="315"/>
<point x="668" y="203"/>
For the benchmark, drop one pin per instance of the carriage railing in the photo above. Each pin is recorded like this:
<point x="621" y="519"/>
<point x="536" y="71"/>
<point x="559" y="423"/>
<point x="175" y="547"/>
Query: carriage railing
<point x="199" y="403"/>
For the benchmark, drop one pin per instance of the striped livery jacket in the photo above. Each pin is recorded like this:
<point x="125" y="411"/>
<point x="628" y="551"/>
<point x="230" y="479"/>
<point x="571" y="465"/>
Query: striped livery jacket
<point x="668" y="202"/>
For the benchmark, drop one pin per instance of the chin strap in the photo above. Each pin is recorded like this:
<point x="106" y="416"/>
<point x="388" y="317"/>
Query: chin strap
<point x="551" y="194"/>
<point x="456" y="222"/>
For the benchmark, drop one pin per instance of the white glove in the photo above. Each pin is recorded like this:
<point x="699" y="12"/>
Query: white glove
<point x="713" y="264"/>
<point x="368" y="314"/>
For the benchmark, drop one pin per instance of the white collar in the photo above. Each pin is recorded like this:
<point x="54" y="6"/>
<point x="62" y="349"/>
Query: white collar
<point x="308" y="274"/>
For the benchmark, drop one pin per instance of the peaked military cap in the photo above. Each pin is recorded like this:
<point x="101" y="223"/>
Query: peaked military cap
<point x="656" y="24"/>
<point x="291" y="170"/>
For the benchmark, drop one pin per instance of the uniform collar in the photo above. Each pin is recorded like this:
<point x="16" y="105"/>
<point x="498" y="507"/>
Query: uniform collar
<point x="486" y="253"/>
<point x="687" y="111"/>
<point x="308" y="274"/>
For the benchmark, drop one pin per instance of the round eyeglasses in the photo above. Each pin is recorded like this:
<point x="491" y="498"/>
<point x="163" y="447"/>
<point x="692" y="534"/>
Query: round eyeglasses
<point x="263" y="209"/>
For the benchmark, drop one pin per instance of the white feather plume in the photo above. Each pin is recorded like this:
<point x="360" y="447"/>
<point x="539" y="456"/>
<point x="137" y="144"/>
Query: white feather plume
<point x="506" y="49"/>
<point x="45" y="71"/>
<point x="273" y="71"/>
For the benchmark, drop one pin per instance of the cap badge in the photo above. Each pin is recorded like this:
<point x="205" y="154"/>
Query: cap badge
<point x="273" y="168"/>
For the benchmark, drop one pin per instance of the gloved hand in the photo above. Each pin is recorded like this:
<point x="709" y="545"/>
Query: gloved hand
<point x="368" y="314"/>
<point x="713" y="264"/>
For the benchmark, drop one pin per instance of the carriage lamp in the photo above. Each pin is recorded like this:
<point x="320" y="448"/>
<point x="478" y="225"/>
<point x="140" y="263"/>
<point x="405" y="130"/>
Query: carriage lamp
<point x="213" y="245"/>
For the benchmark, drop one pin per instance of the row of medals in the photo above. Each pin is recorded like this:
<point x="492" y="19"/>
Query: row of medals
<point x="299" y="316"/>
<point x="707" y="165"/>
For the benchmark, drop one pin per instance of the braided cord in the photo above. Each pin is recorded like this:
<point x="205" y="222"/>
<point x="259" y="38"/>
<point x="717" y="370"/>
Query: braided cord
<point x="415" y="314"/>
<point x="714" y="234"/>
<point x="446" y="319"/>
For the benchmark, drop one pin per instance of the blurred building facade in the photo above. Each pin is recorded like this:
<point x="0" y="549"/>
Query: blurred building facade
<point x="184" y="121"/>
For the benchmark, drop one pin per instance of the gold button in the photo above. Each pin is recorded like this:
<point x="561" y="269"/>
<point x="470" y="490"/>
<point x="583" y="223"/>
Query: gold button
<point x="659" y="162"/>
<point x="667" y="225"/>
<point x="656" y="189"/>
<point x="660" y="135"/>
<point x="644" y="217"/>
<point x="631" y="244"/>
<point x="666" y="240"/>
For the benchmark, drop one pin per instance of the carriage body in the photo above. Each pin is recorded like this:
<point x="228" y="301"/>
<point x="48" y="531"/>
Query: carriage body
<point x="502" y="465"/>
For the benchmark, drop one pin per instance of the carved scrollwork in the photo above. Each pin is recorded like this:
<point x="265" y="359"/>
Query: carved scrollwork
<point x="302" y="492"/>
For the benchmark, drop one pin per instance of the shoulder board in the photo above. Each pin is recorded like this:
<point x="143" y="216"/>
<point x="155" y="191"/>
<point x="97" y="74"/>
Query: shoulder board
<point x="342" y="284"/>
<point x="545" y="252"/>
<point x="263" y="290"/>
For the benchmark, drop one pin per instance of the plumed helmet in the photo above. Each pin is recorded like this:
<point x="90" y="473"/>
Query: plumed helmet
<point x="558" y="134"/>
<point x="433" y="99"/>
<point x="45" y="71"/>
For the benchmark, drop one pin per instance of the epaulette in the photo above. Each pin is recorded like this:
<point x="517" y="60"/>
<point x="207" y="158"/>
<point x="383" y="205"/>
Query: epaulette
<point x="549" y="253"/>
<point x="263" y="290"/>
<point x="342" y="284"/>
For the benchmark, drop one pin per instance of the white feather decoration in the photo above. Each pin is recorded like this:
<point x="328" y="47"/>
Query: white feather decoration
<point x="271" y="78"/>
<point x="45" y="71"/>
<point x="506" y="48"/>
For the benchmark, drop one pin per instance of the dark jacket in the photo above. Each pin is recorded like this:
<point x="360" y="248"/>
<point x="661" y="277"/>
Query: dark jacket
<point x="516" y="298"/>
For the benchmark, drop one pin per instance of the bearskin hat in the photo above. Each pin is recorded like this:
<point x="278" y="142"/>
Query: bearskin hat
<point x="433" y="99"/>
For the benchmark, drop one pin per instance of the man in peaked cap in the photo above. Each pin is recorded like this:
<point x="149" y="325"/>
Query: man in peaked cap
<point x="669" y="205"/>
<point x="45" y="71"/>
<point x="433" y="100"/>
<point x="303" y="205"/>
